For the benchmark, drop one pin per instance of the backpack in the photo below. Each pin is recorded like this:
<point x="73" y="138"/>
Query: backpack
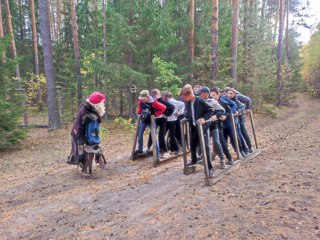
<point x="92" y="132"/>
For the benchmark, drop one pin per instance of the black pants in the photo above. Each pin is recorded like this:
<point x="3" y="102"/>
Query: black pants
<point x="224" y="144"/>
<point x="171" y="127"/>
<point x="242" y="122"/>
<point x="195" y="141"/>
<point x="162" y="125"/>
<point x="178" y="129"/>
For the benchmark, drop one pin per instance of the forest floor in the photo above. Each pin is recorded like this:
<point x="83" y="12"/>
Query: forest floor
<point x="274" y="196"/>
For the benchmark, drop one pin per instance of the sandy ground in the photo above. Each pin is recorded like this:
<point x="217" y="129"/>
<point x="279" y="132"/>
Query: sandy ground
<point x="274" y="196"/>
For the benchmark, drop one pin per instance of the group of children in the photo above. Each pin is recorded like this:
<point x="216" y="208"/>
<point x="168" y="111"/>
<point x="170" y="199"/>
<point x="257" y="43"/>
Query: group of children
<point x="212" y="108"/>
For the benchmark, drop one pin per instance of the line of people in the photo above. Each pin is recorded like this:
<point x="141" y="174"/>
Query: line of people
<point x="212" y="108"/>
<point x="168" y="112"/>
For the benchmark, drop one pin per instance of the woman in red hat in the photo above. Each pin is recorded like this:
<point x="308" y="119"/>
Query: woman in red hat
<point x="92" y="109"/>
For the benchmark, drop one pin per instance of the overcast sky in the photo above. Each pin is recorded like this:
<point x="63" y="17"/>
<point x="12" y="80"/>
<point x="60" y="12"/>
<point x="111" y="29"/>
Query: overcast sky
<point x="314" y="9"/>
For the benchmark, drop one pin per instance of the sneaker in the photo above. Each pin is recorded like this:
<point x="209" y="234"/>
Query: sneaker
<point x="165" y="155"/>
<point x="230" y="161"/>
<point x="137" y="152"/>
<point x="243" y="154"/>
<point x="148" y="149"/>
<point x="177" y="152"/>
<point x="191" y="164"/>
<point x="250" y="150"/>
<point x="222" y="165"/>
<point x="211" y="173"/>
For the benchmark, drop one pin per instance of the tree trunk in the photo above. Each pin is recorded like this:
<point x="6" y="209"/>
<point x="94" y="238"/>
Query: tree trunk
<point x="287" y="29"/>
<point x="53" y="110"/>
<point x="279" y="53"/>
<point x="76" y="50"/>
<point x="1" y="34"/>
<point x="191" y="38"/>
<point x="58" y="19"/>
<point x="34" y="39"/>
<point x="121" y="103"/>
<point x="10" y="30"/>
<point x="105" y="55"/>
<point x="214" y="39"/>
<point x="246" y="20"/>
<point x="234" y="44"/>
<point x="129" y="62"/>
<point x="22" y="21"/>
<point x="276" y="21"/>
<point x="95" y="43"/>
<point x="262" y="9"/>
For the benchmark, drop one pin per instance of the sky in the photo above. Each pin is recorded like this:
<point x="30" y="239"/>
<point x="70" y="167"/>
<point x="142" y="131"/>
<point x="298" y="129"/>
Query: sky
<point x="314" y="9"/>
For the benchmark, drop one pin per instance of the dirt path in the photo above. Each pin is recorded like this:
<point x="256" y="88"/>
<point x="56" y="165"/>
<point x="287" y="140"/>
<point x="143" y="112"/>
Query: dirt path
<point x="275" y="196"/>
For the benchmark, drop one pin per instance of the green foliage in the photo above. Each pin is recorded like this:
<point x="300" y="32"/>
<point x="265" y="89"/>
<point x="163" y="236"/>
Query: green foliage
<point x="10" y="101"/>
<point x="270" y="110"/>
<point x="103" y="132"/>
<point x="36" y="90"/>
<point x="166" y="79"/>
<point x="311" y="64"/>
<point x="126" y="123"/>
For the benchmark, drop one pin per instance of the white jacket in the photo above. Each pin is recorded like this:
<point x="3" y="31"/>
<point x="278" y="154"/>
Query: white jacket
<point x="178" y="109"/>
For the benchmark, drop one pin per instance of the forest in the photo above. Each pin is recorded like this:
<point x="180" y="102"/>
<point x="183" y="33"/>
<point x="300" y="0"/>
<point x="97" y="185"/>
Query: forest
<point x="54" y="53"/>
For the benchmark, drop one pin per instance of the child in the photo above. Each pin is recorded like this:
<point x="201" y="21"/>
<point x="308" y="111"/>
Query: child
<point x="92" y="109"/>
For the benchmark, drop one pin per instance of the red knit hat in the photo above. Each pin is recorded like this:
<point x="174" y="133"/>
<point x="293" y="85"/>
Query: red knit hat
<point x="97" y="97"/>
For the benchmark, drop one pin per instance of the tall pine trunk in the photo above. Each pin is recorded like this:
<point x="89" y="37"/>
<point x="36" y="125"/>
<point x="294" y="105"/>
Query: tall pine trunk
<point x="191" y="38"/>
<point x="234" y="44"/>
<point x="246" y="24"/>
<point x="76" y="50"/>
<point x="58" y="19"/>
<point x="279" y="54"/>
<point x="276" y="20"/>
<point x="95" y="44"/>
<point x="10" y="30"/>
<point x="34" y="39"/>
<point x="214" y="39"/>
<point x="53" y="110"/>
<point x="104" y="42"/>
<point x="1" y="34"/>
<point x="287" y="29"/>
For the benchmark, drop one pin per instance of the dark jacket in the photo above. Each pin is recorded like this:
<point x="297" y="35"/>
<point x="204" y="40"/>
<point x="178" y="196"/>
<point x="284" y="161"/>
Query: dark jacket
<point x="244" y="99"/>
<point x="85" y="114"/>
<point x="201" y="110"/>
<point x="169" y="107"/>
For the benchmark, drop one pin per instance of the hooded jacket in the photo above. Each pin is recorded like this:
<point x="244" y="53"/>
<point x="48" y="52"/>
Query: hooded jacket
<point x="86" y="113"/>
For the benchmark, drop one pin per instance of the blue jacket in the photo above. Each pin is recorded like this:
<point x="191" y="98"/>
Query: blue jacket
<point x="230" y="107"/>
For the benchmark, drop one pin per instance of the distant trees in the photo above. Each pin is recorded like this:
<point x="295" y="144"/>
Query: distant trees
<point x="311" y="64"/>
<point x="109" y="45"/>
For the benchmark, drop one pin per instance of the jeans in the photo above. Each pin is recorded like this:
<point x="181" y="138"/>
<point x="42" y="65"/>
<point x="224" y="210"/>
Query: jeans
<point x="215" y="137"/>
<point x="228" y="132"/>
<point x="242" y="144"/>
<point x="244" y="131"/>
<point x="142" y="128"/>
